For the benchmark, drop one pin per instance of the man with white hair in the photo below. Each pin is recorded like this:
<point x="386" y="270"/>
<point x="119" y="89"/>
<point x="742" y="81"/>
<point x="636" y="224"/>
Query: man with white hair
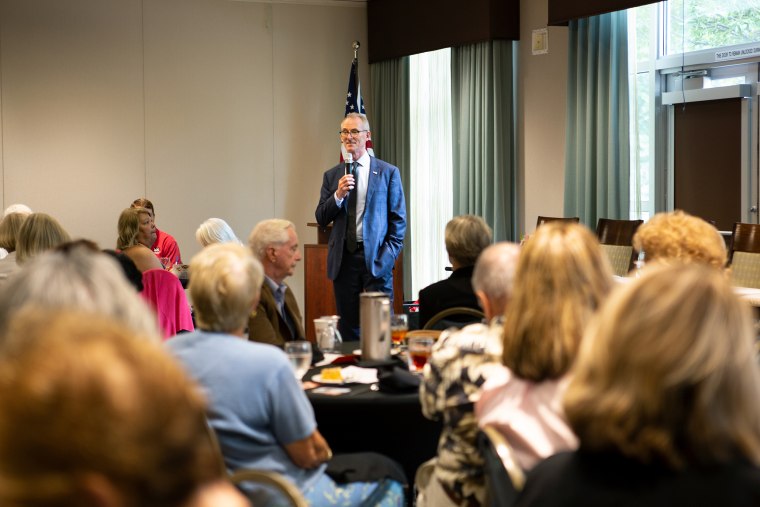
<point x="461" y="362"/>
<point x="277" y="318"/>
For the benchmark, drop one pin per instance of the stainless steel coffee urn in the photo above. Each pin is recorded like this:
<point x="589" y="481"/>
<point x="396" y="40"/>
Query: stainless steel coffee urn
<point x="375" y="322"/>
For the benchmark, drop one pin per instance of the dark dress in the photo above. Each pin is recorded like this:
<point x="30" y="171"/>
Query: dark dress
<point x="455" y="290"/>
<point x="604" y="479"/>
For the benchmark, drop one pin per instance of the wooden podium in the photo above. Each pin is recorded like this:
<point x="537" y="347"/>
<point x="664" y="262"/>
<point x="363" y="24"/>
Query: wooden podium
<point x="319" y="297"/>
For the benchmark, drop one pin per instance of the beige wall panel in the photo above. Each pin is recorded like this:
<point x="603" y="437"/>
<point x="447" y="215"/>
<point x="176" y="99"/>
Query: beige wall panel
<point x="72" y="115"/>
<point x="208" y="110"/>
<point x="312" y="58"/>
<point x="542" y="102"/>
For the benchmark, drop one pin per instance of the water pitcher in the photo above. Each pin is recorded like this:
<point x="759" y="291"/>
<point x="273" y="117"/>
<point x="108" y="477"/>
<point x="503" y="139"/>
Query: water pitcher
<point x="375" y="321"/>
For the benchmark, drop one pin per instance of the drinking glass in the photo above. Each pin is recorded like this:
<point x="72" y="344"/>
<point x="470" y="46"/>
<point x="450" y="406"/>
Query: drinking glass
<point x="328" y="336"/>
<point x="299" y="353"/>
<point x="419" y="351"/>
<point x="399" y="327"/>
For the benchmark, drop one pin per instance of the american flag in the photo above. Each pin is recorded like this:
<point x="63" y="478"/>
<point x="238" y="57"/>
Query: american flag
<point x="354" y="102"/>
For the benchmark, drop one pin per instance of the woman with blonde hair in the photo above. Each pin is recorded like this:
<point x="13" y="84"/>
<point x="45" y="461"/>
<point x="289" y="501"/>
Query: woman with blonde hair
<point x="136" y="233"/>
<point x="664" y="400"/>
<point x="10" y="225"/>
<point x="562" y="278"/>
<point x="38" y="233"/>
<point x="679" y="237"/>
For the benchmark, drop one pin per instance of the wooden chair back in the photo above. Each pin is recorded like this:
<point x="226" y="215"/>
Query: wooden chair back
<point x="745" y="238"/>
<point x="543" y="220"/>
<point x="617" y="235"/>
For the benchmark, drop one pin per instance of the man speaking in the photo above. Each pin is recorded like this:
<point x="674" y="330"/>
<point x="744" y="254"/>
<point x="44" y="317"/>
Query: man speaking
<point x="364" y="200"/>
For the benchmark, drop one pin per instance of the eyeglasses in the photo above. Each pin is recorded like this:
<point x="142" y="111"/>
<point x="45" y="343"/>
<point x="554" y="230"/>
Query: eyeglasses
<point x="352" y="133"/>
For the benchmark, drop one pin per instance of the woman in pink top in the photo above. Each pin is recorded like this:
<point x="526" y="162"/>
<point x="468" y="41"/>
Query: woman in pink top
<point x="562" y="277"/>
<point x="164" y="246"/>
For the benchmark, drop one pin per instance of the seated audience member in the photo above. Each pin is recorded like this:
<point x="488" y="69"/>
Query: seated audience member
<point x="9" y="228"/>
<point x="256" y="405"/>
<point x="679" y="237"/>
<point x="133" y="275"/>
<point x="215" y="230"/>
<point x="277" y="318"/>
<point x="17" y="208"/>
<point x="562" y="278"/>
<point x="95" y="416"/>
<point x="466" y="237"/>
<point x="20" y="209"/>
<point x="164" y="246"/>
<point x="74" y="277"/>
<point x="460" y="363"/>
<point x="663" y="400"/>
<point x="38" y="233"/>
<point x="136" y="233"/>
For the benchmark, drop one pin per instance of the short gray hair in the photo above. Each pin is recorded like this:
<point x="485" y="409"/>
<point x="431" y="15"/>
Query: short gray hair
<point x="225" y="283"/>
<point x="495" y="270"/>
<point x="18" y="208"/>
<point x="466" y="236"/>
<point x="272" y="232"/>
<point x="215" y="230"/>
<point x="361" y="117"/>
<point x="77" y="279"/>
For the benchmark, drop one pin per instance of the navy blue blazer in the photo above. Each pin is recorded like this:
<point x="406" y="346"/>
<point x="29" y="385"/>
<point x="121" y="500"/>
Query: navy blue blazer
<point x="384" y="221"/>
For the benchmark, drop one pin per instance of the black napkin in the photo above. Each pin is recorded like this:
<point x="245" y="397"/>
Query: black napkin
<point x="398" y="381"/>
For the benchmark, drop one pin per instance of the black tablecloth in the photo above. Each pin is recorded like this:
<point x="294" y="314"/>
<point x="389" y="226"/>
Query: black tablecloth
<point x="366" y="420"/>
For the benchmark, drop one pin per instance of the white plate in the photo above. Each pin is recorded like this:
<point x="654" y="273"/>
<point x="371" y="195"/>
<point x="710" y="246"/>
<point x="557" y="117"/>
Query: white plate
<point x="318" y="379"/>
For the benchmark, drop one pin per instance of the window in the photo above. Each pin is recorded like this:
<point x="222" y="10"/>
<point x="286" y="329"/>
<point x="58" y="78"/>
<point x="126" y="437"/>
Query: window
<point x="672" y="48"/>
<point x="693" y="25"/>
<point x="431" y="199"/>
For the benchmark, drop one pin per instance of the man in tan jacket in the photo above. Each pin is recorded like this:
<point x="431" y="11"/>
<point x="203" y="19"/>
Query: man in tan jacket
<point x="277" y="318"/>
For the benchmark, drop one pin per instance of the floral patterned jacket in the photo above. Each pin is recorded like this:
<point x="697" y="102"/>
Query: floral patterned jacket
<point x="461" y="362"/>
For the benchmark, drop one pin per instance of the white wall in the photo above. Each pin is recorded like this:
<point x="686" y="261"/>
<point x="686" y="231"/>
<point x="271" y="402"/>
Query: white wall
<point x="542" y="99"/>
<point x="207" y="107"/>
<point x="212" y="108"/>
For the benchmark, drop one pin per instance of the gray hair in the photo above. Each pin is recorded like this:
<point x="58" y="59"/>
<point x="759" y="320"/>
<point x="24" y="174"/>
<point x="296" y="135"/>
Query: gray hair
<point x="495" y="270"/>
<point x="466" y="236"/>
<point x="225" y="284"/>
<point x="77" y="279"/>
<point x="215" y="230"/>
<point x="18" y="208"/>
<point x="361" y="117"/>
<point x="272" y="232"/>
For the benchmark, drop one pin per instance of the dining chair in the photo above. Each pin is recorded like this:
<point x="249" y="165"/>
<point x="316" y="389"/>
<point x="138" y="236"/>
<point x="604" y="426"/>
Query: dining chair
<point x="543" y="220"/>
<point x="458" y="317"/>
<point x="262" y="487"/>
<point x="504" y="477"/>
<point x="616" y="238"/>
<point x="744" y="255"/>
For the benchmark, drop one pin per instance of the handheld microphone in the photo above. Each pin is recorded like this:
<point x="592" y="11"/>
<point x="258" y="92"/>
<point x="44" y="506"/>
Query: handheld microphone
<point x="349" y="160"/>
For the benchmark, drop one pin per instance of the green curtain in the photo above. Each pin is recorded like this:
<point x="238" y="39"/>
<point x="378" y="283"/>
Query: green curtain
<point x="597" y="154"/>
<point x="483" y="103"/>
<point x="389" y="122"/>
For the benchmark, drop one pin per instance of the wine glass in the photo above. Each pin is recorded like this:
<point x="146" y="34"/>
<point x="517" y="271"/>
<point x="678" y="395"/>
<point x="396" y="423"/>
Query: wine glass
<point x="399" y="327"/>
<point x="299" y="354"/>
